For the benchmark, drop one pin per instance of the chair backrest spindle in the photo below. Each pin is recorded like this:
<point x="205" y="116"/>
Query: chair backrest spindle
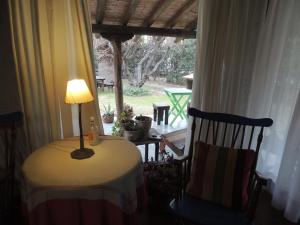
<point x="224" y="135"/>
<point x="207" y="132"/>
<point x="251" y="137"/>
<point x="243" y="136"/>
<point x="234" y="130"/>
<point x="199" y="133"/>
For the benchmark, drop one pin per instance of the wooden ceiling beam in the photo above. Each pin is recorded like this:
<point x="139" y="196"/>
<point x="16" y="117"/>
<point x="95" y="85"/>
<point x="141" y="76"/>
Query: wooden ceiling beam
<point x="157" y="10"/>
<point x="129" y="11"/>
<point x="100" y="11"/>
<point x="174" y="19"/>
<point x="192" y="25"/>
<point x="116" y="30"/>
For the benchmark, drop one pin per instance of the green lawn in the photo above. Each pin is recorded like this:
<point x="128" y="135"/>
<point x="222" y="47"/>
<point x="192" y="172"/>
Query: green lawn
<point x="140" y="104"/>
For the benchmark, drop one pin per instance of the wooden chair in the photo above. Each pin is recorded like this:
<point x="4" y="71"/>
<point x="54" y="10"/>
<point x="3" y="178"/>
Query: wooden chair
<point x="8" y="129"/>
<point x="175" y="141"/>
<point x="224" y="130"/>
<point x="159" y="109"/>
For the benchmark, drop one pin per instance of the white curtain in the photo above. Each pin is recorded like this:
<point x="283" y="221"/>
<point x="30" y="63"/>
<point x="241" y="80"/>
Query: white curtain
<point x="286" y="192"/>
<point x="248" y="56"/>
<point x="274" y="92"/>
<point x="52" y="44"/>
<point x="226" y="30"/>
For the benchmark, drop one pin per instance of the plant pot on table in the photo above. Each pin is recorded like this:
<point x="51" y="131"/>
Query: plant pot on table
<point x="131" y="135"/>
<point x="144" y="124"/>
<point x="108" y="118"/>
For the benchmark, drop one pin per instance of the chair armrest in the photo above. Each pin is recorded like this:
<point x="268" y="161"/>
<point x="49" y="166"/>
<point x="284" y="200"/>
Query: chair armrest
<point x="181" y="159"/>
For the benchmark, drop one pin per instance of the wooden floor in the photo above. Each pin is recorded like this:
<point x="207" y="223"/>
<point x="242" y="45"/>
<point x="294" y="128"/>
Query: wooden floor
<point x="265" y="215"/>
<point x="156" y="215"/>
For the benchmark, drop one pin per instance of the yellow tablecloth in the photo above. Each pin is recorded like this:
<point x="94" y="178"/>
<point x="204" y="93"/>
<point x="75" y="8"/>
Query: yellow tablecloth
<point x="113" y="173"/>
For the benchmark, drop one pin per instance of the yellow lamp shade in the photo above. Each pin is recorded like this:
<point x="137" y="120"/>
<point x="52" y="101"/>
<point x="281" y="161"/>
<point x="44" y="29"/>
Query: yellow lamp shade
<point x="78" y="92"/>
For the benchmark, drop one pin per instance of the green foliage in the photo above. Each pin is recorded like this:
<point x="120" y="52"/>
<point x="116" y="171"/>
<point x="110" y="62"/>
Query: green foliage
<point x="116" y="129"/>
<point x="123" y="120"/>
<point x="136" y="91"/>
<point x="180" y="61"/>
<point x="175" y="78"/>
<point x="147" y="57"/>
<point x="130" y="125"/>
<point x="108" y="110"/>
<point x="127" y="113"/>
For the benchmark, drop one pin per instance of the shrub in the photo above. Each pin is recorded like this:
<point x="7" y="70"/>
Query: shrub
<point x="175" y="78"/>
<point x="136" y="91"/>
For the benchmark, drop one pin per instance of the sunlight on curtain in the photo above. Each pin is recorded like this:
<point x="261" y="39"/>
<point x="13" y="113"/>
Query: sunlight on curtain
<point x="286" y="192"/>
<point x="226" y="31"/>
<point x="52" y="44"/>
<point x="274" y="93"/>
<point x="248" y="63"/>
<point x="276" y="79"/>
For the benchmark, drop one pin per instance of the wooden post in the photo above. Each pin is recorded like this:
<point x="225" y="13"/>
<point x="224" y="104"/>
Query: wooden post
<point x="116" y="41"/>
<point x="117" y="47"/>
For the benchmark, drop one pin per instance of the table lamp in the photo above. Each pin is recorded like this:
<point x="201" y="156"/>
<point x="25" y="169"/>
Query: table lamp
<point x="78" y="93"/>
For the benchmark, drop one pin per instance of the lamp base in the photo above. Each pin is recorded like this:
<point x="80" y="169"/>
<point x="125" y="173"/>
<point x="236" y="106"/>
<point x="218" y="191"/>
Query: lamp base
<point x="82" y="153"/>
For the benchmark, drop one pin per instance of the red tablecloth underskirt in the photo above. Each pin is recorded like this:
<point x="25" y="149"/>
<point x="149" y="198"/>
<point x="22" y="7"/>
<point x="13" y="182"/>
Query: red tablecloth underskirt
<point x="83" y="212"/>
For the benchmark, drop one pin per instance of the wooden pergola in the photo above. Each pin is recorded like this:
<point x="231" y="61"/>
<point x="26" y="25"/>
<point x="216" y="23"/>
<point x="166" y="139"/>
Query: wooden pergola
<point x="120" y="20"/>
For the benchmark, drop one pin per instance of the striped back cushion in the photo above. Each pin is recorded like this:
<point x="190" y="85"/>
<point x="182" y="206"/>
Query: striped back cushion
<point x="221" y="175"/>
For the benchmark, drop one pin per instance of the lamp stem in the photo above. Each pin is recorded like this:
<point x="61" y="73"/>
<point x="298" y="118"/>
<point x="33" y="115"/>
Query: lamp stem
<point x="81" y="153"/>
<point x="80" y="128"/>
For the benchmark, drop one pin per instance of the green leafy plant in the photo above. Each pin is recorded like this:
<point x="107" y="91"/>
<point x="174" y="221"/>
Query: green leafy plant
<point x="130" y="125"/>
<point x="123" y="117"/>
<point x="116" y="129"/>
<point x="108" y="110"/>
<point x="127" y="111"/>
<point x="119" y="124"/>
<point x="136" y="91"/>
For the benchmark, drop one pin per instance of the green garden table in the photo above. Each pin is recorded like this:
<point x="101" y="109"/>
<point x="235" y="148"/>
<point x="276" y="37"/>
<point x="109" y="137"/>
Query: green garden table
<point x="179" y="98"/>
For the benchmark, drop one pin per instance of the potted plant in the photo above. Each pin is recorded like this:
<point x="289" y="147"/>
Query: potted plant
<point x="108" y="116"/>
<point x="131" y="131"/>
<point x="118" y="128"/>
<point x="144" y="123"/>
<point x="128" y="110"/>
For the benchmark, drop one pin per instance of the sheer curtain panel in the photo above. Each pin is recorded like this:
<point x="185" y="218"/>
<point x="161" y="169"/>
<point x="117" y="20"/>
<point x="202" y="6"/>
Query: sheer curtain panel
<point x="52" y="44"/>
<point x="248" y="64"/>
<point x="274" y="92"/>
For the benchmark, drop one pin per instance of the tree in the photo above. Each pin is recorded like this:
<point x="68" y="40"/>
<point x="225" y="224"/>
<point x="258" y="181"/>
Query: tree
<point x="142" y="57"/>
<point x="180" y="61"/>
<point x="103" y="51"/>
<point x="147" y="56"/>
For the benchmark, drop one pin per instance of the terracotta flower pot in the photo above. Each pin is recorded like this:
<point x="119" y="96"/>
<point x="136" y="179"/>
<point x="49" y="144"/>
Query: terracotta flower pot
<point x="108" y="118"/>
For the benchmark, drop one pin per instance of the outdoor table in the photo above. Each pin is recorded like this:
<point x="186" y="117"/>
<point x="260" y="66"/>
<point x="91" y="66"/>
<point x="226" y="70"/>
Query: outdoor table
<point x="106" y="189"/>
<point x="179" y="98"/>
<point x="100" y="82"/>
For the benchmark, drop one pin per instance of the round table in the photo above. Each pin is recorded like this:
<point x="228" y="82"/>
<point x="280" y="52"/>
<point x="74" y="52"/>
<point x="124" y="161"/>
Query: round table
<point x="104" y="189"/>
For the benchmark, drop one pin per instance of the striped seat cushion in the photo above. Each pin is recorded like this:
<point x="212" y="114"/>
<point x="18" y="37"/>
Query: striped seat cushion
<point x="221" y="175"/>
